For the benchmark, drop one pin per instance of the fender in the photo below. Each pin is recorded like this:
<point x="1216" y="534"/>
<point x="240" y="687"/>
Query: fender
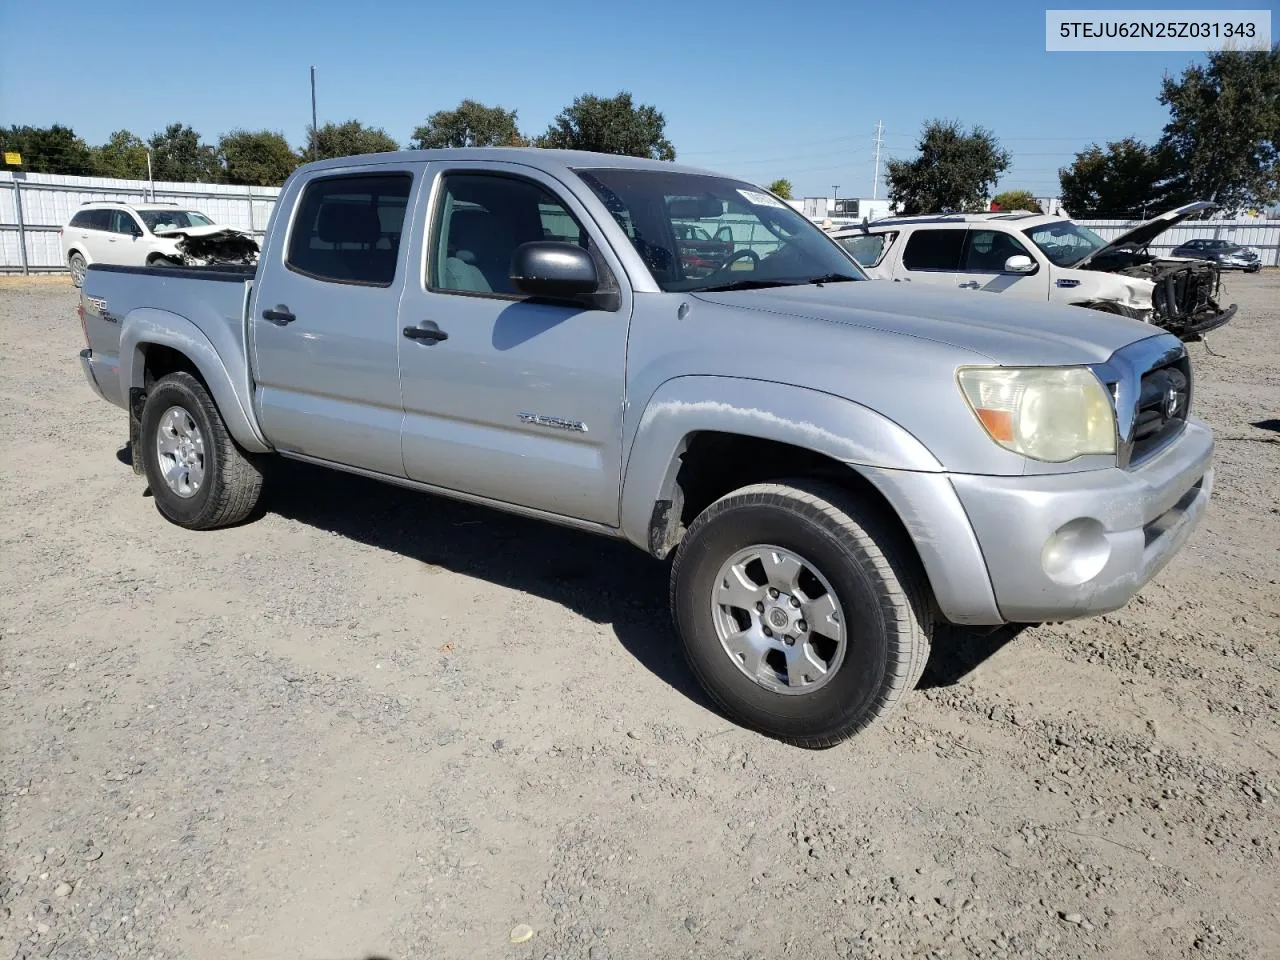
<point x="821" y="422"/>
<point x="146" y="326"/>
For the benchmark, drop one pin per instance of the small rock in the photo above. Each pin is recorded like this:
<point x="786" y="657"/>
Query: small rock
<point x="691" y="924"/>
<point x="498" y="744"/>
<point x="42" y="928"/>
<point x="1074" y="918"/>
<point x="93" y="853"/>
<point x="521" y="933"/>
<point x="632" y="735"/>
<point x="62" y="890"/>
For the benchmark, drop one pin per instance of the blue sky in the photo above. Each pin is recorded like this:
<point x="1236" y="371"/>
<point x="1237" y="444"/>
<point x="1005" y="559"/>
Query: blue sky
<point x="752" y="88"/>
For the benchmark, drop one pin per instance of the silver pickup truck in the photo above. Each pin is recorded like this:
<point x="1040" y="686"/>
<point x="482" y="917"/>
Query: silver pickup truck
<point x="833" y="465"/>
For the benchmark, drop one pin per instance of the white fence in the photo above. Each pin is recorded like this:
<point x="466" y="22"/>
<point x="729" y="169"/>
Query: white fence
<point x="34" y="206"/>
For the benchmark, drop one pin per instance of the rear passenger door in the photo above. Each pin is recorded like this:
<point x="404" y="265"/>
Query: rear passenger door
<point x="325" y="330"/>
<point x="930" y="256"/>
<point x="94" y="234"/>
<point x="982" y="265"/>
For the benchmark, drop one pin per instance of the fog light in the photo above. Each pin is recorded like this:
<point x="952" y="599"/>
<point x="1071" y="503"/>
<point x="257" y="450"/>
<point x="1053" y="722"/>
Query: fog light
<point x="1076" y="552"/>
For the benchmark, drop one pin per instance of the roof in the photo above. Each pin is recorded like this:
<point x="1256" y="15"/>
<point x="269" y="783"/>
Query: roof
<point x="551" y="161"/>
<point x="1022" y="217"/>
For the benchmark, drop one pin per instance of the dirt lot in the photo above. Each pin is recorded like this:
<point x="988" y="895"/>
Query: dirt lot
<point x="376" y="723"/>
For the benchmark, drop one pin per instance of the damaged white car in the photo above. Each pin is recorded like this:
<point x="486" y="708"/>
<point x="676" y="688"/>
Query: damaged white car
<point x="1041" y="257"/>
<point x="106" y="231"/>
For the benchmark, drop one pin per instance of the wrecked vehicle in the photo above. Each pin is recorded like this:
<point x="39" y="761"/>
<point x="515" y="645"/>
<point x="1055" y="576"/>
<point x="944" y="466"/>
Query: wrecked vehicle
<point x="1039" y="257"/>
<point x="152" y="234"/>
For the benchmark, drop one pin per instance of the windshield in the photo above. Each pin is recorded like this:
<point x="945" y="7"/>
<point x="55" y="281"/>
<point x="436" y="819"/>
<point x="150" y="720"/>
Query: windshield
<point x="697" y="232"/>
<point x="1065" y="243"/>
<point x="173" y="219"/>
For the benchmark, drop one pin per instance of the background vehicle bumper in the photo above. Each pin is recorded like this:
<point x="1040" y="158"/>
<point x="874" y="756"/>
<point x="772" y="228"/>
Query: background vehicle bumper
<point x="1073" y="545"/>
<point x="103" y="374"/>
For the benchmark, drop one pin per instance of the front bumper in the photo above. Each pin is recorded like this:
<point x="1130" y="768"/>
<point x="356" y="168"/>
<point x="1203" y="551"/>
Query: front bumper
<point x="1063" y="546"/>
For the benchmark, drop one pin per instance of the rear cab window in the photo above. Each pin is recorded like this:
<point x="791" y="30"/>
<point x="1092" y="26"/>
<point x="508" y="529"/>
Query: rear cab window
<point x="347" y="228"/>
<point x="934" y="250"/>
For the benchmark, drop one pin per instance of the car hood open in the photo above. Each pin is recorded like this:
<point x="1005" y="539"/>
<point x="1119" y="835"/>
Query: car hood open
<point x="1145" y="232"/>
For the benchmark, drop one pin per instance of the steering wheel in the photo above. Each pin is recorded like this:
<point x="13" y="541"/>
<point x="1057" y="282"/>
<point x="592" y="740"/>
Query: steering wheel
<point x="744" y="253"/>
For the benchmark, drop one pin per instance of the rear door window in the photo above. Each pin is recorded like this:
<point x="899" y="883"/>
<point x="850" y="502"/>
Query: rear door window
<point x="347" y="228"/>
<point x="934" y="250"/>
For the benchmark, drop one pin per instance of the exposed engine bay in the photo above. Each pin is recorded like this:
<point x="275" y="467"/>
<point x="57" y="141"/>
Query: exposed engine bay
<point x="225" y="246"/>
<point x="1185" y="296"/>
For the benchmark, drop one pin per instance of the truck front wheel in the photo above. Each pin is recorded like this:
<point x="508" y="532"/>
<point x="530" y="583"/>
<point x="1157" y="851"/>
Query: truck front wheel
<point x="802" y="614"/>
<point x="198" y="476"/>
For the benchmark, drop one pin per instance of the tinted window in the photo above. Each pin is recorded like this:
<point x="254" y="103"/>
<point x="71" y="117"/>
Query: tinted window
<point x="933" y="250"/>
<point x="122" y="222"/>
<point x="985" y="251"/>
<point x="81" y="219"/>
<point x="347" y="229"/>
<point x="481" y="219"/>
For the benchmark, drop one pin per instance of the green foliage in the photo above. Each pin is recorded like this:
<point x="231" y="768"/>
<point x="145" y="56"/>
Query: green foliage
<point x="54" y="149"/>
<point x="610" y="125"/>
<point x="781" y="187"/>
<point x="471" y="124"/>
<point x="955" y="170"/>
<point x="1223" y="134"/>
<point x="177" y="154"/>
<point x="259" y="158"/>
<point x="346" y="140"/>
<point x="1125" y="180"/>
<point x="124" y="155"/>
<point x="1017" y="200"/>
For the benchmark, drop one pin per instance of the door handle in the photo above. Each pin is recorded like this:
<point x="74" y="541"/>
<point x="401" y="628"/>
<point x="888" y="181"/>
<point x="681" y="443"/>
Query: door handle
<point x="901" y="279"/>
<point x="971" y="285"/>
<point x="279" y="315"/>
<point x="428" y="331"/>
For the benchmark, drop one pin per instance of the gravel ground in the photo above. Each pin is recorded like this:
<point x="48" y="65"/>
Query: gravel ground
<point x="377" y="723"/>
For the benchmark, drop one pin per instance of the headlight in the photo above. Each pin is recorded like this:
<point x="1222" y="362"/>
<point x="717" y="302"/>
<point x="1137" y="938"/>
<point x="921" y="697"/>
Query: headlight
<point x="1053" y="414"/>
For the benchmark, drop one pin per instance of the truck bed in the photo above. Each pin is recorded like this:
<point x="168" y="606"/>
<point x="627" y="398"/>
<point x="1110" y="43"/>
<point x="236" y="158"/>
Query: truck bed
<point x="224" y="272"/>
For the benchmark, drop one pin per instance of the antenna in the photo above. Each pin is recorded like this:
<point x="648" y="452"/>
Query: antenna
<point x="878" y="140"/>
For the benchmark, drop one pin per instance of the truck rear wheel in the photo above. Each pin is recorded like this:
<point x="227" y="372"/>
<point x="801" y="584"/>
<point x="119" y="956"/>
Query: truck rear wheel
<point x="199" y="477"/>
<point x="802" y="614"/>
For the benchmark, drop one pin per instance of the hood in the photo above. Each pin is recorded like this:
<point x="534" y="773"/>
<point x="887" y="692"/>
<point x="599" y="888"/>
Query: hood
<point x="1144" y="233"/>
<point x="195" y="231"/>
<point x="988" y="327"/>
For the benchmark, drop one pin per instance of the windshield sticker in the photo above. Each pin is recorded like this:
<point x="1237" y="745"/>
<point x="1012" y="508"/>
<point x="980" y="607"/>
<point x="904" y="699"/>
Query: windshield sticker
<point x="761" y="199"/>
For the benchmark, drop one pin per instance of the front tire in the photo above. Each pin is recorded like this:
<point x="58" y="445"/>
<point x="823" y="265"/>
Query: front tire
<point x="199" y="477"/>
<point x="802" y="613"/>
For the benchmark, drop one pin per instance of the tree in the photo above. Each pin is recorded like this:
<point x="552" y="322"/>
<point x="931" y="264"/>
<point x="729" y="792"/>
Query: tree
<point x="54" y="149"/>
<point x="1125" y="180"/>
<point x="613" y="125"/>
<point x="781" y="187"/>
<point x="471" y="124"/>
<point x="1223" y="134"/>
<point x="954" y="171"/>
<point x="178" y="155"/>
<point x="124" y="155"/>
<point x="346" y="140"/>
<point x="1016" y="200"/>
<point x="259" y="158"/>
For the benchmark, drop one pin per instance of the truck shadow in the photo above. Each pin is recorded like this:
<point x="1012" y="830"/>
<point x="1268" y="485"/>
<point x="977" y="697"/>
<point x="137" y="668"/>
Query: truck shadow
<point x="605" y="581"/>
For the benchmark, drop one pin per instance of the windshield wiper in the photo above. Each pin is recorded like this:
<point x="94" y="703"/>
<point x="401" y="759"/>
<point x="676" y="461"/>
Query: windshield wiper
<point x="831" y="278"/>
<point x="745" y="285"/>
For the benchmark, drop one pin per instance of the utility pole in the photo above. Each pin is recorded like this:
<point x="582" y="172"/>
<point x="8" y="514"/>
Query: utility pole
<point x="315" y="138"/>
<point x="878" y="140"/>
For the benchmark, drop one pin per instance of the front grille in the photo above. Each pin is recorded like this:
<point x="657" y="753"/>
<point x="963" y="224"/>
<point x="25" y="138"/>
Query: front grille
<point x="1162" y="407"/>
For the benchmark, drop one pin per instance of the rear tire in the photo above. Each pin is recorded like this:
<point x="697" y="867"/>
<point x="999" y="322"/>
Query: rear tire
<point x="815" y="684"/>
<point x="199" y="477"/>
<point x="78" y="266"/>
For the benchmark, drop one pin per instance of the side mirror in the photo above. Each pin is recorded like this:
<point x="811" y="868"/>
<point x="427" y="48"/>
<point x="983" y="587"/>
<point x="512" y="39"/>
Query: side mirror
<point x="553" y="269"/>
<point x="1019" y="263"/>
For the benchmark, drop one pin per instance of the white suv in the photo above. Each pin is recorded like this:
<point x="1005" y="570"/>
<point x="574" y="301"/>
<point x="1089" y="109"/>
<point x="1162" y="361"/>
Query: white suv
<point x="110" y="232"/>
<point x="1041" y="257"/>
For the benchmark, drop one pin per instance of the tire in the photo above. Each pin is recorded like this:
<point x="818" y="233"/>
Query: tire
<point x="229" y="483"/>
<point x="880" y="592"/>
<point x="78" y="266"/>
